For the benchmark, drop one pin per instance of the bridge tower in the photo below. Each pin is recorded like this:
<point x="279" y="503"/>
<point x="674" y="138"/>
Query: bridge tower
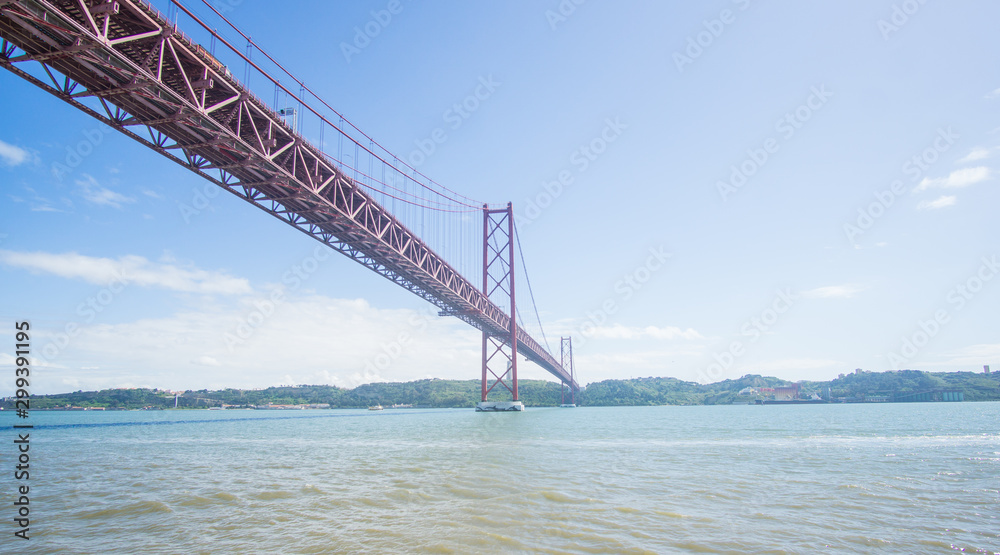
<point x="566" y="352"/>
<point x="499" y="347"/>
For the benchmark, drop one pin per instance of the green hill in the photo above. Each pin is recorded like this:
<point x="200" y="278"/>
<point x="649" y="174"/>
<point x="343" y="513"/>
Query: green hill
<point x="534" y="393"/>
<point x="429" y="393"/>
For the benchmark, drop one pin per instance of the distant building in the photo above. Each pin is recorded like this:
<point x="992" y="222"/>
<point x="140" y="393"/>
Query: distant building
<point x="786" y="392"/>
<point x="931" y="396"/>
<point x="986" y="369"/>
<point x="747" y="391"/>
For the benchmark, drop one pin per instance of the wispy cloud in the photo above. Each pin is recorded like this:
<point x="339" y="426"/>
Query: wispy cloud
<point x="796" y="365"/>
<point x="45" y="208"/>
<point x="101" y="196"/>
<point x="968" y="358"/>
<point x="11" y="155"/>
<point x="957" y="179"/>
<point x="832" y="292"/>
<point x="619" y="331"/>
<point x="940" y="202"/>
<point x="134" y="269"/>
<point x="188" y="349"/>
<point x="206" y="361"/>
<point x="978" y="153"/>
<point x="994" y="94"/>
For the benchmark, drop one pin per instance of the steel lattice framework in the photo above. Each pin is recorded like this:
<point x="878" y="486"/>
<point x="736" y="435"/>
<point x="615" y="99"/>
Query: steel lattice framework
<point x="163" y="90"/>
<point x="566" y="355"/>
<point x="498" y="281"/>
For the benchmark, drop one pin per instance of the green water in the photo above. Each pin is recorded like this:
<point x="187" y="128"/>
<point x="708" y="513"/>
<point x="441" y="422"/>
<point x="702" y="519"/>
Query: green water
<point x="906" y="478"/>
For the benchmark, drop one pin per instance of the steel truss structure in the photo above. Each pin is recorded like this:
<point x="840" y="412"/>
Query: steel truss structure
<point x="161" y="89"/>
<point x="498" y="281"/>
<point x="566" y="358"/>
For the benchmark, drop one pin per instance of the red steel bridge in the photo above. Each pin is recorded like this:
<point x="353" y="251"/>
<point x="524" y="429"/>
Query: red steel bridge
<point x="129" y="66"/>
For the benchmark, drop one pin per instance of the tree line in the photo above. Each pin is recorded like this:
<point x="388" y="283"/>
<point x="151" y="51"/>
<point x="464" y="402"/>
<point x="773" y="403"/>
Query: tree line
<point x="534" y="393"/>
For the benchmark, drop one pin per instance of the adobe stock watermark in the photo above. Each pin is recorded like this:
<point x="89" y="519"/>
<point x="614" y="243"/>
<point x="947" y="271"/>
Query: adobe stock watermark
<point x="75" y="154"/>
<point x="624" y="290"/>
<point x="201" y="199"/>
<point x="915" y="168"/>
<point x="958" y="297"/>
<point x="562" y="13"/>
<point x="754" y="329"/>
<point x="454" y="117"/>
<point x="263" y="309"/>
<point x="900" y="16"/>
<point x="365" y="34"/>
<point x="581" y="160"/>
<point x="88" y="310"/>
<point x="698" y="43"/>
<point x="786" y="127"/>
<point x="226" y="6"/>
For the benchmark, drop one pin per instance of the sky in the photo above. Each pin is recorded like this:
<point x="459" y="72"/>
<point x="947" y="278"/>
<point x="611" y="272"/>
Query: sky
<point x="703" y="191"/>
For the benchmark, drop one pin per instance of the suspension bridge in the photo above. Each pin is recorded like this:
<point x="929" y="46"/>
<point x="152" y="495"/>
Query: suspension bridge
<point x="297" y="158"/>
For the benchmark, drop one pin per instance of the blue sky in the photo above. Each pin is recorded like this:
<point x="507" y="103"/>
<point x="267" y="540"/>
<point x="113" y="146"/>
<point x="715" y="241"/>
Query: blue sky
<point x="783" y="188"/>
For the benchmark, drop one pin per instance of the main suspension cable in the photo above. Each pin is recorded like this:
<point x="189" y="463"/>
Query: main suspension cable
<point x="324" y="103"/>
<point x="530" y="292"/>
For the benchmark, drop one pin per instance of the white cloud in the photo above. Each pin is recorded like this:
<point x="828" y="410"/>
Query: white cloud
<point x="132" y="269"/>
<point x="790" y="365"/>
<point x="832" y="292"/>
<point x="966" y="359"/>
<point x="342" y="342"/>
<point x="11" y="155"/>
<point x="679" y="362"/>
<point x="619" y="331"/>
<point x="940" y="202"/>
<point x="978" y="153"/>
<point x="994" y="94"/>
<point x="45" y="208"/>
<point x="101" y="196"/>
<point x="207" y="361"/>
<point x="958" y="178"/>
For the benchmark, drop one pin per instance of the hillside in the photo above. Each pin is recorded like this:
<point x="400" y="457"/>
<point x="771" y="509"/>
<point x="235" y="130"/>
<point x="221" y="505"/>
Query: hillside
<point x="430" y="393"/>
<point x="534" y="393"/>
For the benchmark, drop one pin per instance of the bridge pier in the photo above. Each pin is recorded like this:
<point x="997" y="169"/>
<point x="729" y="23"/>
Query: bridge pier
<point x="499" y="349"/>
<point x="566" y="352"/>
<point x="499" y="406"/>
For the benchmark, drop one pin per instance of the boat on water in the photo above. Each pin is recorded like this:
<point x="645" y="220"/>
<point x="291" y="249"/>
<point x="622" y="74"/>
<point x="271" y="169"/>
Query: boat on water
<point x="375" y="407"/>
<point x="567" y="406"/>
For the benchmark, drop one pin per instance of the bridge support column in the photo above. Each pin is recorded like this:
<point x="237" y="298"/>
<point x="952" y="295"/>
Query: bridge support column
<point x="499" y="349"/>
<point x="566" y="350"/>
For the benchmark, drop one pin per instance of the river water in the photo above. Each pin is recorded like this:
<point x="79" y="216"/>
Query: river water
<point x="893" y="478"/>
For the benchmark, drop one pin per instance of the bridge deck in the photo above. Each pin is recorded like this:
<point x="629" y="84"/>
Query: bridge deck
<point x="150" y="77"/>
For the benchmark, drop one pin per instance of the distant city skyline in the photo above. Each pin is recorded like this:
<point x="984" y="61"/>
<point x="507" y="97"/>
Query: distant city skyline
<point x="702" y="192"/>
